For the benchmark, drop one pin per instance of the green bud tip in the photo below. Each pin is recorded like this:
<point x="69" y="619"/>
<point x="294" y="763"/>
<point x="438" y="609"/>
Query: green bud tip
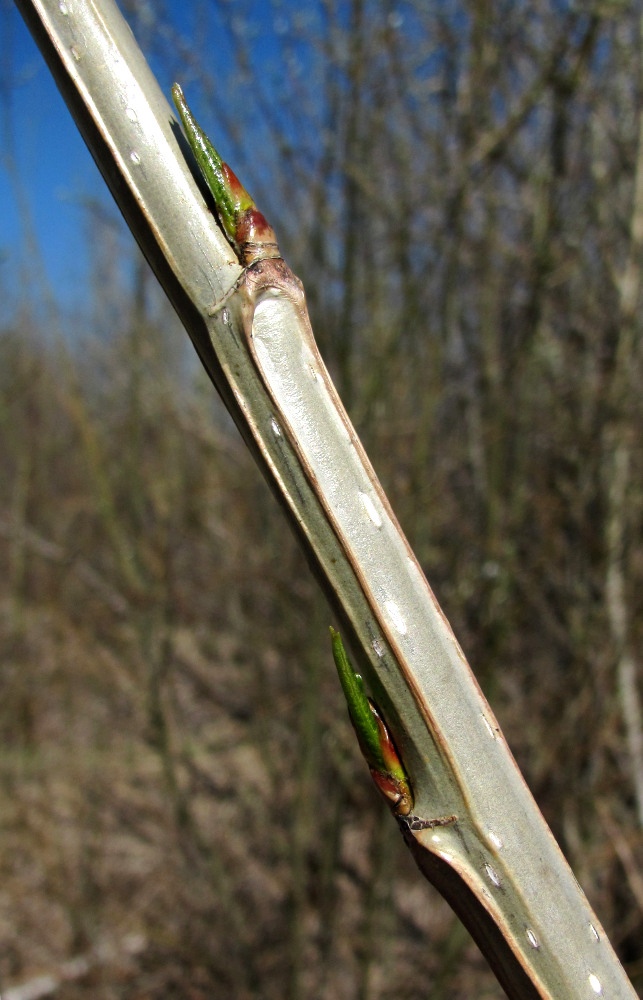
<point x="372" y="733"/>
<point x="242" y="222"/>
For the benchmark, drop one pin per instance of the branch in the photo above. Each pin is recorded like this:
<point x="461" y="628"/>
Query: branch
<point x="475" y="830"/>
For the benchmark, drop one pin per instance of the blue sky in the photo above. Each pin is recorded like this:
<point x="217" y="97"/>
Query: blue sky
<point x="254" y="120"/>
<point x="53" y="175"/>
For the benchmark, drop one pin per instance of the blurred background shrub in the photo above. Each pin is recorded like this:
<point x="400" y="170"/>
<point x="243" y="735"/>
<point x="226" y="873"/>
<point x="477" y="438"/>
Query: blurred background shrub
<point x="460" y="187"/>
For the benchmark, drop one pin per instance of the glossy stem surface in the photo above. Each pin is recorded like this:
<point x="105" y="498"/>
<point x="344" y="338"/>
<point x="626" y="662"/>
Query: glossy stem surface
<point x="475" y="830"/>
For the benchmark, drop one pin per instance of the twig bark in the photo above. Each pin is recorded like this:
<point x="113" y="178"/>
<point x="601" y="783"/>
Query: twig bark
<point x="476" y="833"/>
